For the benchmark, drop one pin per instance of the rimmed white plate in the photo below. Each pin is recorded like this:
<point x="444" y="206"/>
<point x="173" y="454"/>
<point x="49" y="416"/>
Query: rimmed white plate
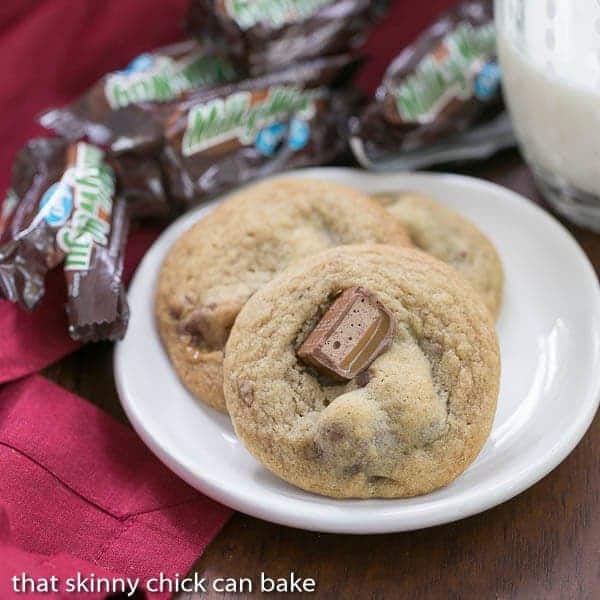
<point x="549" y="333"/>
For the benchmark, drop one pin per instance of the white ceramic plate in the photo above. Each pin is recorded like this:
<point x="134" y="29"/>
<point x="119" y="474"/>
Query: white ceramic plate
<point x="550" y="338"/>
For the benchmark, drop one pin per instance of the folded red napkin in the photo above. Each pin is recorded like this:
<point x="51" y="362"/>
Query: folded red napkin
<point x="81" y="492"/>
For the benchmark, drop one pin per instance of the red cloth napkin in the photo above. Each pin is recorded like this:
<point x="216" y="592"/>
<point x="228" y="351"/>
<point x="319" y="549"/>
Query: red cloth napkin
<point x="75" y="483"/>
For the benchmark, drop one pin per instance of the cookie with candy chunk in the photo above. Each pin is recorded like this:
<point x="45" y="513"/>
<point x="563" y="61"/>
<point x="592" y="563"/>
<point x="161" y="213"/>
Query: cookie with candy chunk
<point x="364" y="372"/>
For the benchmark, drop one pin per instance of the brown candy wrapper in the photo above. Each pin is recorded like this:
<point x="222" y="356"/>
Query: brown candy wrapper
<point x="442" y="85"/>
<point x="41" y="203"/>
<point x="41" y="199"/>
<point x="267" y="35"/>
<point x="97" y="304"/>
<point x="124" y="111"/>
<point x="62" y="211"/>
<point x="218" y="139"/>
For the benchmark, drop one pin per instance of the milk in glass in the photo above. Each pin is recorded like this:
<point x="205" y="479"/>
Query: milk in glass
<point x="550" y="57"/>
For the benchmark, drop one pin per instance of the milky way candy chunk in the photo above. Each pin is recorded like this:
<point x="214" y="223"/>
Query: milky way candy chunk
<point x="354" y="331"/>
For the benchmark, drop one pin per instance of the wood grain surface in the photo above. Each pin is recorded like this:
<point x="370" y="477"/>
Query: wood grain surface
<point x="543" y="544"/>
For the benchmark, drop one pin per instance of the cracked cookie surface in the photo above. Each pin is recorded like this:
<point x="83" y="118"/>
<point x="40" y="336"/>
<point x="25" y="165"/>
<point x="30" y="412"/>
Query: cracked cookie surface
<point x="215" y="266"/>
<point x="443" y="233"/>
<point x="409" y="424"/>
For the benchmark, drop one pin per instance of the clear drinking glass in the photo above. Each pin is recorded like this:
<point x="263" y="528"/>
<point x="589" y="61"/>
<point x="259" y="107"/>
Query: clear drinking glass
<point x="550" y="57"/>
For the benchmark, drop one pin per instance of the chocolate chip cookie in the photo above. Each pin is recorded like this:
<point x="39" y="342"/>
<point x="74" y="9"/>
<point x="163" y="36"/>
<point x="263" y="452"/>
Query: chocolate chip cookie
<point x="364" y="371"/>
<point x="222" y="260"/>
<point x="445" y="234"/>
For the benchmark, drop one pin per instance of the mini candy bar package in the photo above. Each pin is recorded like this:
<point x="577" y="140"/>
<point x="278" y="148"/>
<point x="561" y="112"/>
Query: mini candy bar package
<point x="220" y="138"/>
<point x="441" y="86"/>
<point x="38" y="204"/>
<point x="62" y="199"/>
<point x="124" y="110"/>
<point x="97" y="304"/>
<point x="267" y="35"/>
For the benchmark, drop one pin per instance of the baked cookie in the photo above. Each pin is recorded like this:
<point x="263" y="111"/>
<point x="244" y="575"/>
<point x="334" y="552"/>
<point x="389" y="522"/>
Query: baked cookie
<point x="445" y="234"/>
<point x="223" y="259"/>
<point x="387" y="390"/>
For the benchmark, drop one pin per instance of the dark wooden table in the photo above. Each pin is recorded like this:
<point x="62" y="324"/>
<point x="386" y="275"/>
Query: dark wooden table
<point x="544" y="544"/>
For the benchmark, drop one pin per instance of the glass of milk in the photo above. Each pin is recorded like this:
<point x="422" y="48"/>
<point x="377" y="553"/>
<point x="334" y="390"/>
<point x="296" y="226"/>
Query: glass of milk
<point x="550" y="57"/>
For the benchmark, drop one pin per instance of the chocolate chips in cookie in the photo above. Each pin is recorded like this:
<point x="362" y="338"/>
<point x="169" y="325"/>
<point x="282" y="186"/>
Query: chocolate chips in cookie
<point x="354" y="331"/>
<point x="438" y="230"/>
<point x="213" y="321"/>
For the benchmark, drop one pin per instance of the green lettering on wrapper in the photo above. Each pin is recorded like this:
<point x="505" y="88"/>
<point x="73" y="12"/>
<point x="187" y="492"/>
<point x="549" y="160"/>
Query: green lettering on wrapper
<point x="166" y="79"/>
<point x="275" y="13"/>
<point x="93" y="191"/>
<point x="220" y="120"/>
<point x="436" y="81"/>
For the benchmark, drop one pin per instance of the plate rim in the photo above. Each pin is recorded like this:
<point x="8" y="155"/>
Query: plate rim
<point x="473" y="503"/>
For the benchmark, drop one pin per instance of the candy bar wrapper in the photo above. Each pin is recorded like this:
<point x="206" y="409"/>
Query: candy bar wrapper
<point x="46" y="178"/>
<point x="440" y="86"/>
<point x="124" y="111"/>
<point x="477" y="143"/>
<point x="218" y="139"/>
<point x="61" y="210"/>
<point x="267" y="35"/>
<point x="97" y="304"/>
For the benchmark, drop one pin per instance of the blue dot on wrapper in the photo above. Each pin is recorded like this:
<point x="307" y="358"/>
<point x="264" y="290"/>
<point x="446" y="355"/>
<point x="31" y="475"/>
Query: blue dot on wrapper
<point x="57" y="204"/>
<point x="140" y="63"/>
<point x="268" y="138"/>
<point x="299" y="134"/>
<point x="487" y="82"/>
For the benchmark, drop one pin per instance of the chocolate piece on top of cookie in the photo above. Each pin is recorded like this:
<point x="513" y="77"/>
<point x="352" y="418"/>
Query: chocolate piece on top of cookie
<point x="354" y="331"/>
